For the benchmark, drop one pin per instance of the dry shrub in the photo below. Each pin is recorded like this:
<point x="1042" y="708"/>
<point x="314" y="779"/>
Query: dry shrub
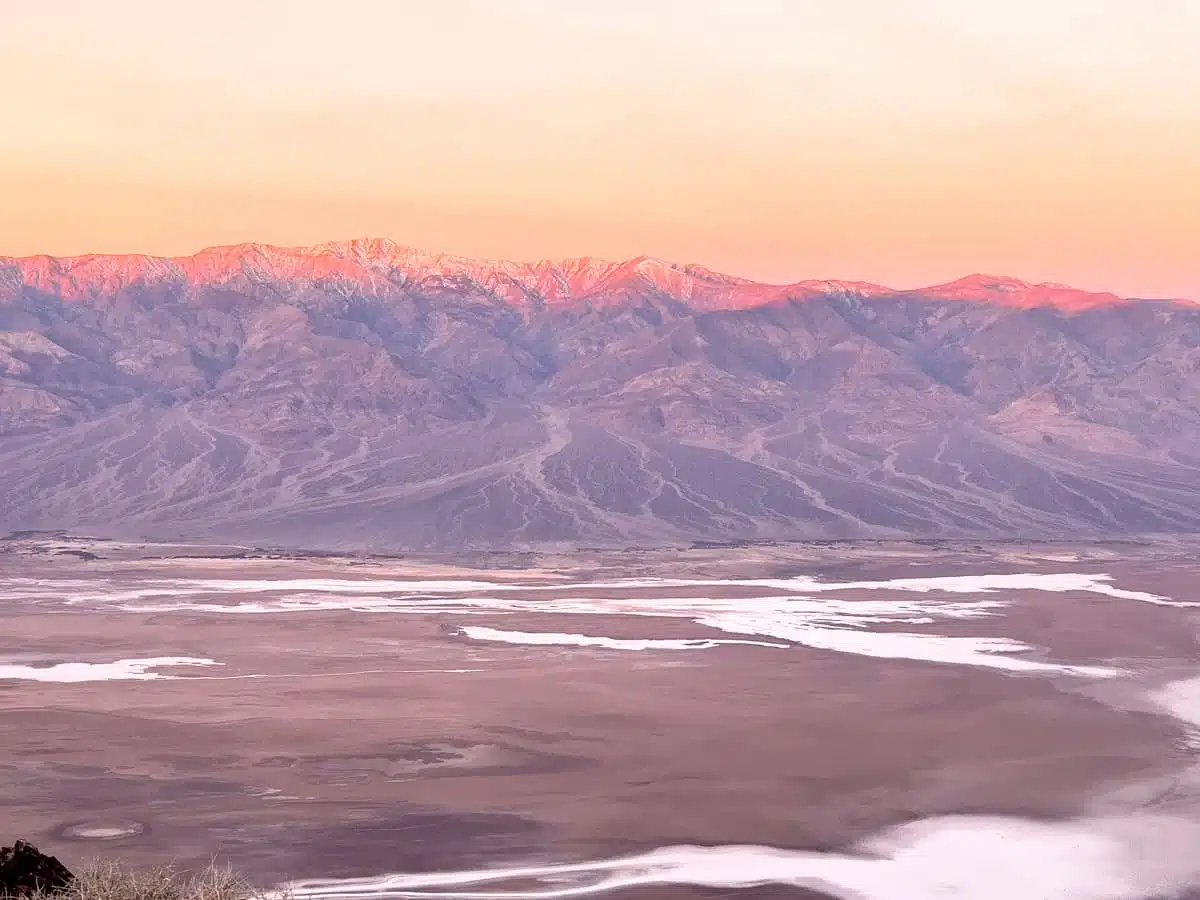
<point x="115" y="881"/>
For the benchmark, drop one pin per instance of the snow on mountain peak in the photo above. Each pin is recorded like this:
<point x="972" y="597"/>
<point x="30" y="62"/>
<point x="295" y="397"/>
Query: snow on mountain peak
<point x="377" y="265"/>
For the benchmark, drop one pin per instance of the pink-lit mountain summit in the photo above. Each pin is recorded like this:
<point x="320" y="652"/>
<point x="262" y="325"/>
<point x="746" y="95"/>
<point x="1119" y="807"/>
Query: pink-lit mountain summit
<point x="374" y="266"/>
<point x="367" y="394"/>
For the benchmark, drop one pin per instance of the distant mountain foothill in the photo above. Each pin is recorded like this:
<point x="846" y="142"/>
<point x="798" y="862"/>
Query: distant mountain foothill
<point x="362" y="394"/>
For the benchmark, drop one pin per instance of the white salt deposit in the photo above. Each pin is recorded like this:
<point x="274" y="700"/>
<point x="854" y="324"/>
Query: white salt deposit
<point x="110" y="832"/>
<point x="994" y="653"/>
<point x="804" y="616"/>
<point x="1137" y="856"/>
<point x="582" y="640"/>
<point x="965" y="857"/>
<point x="1181" y="699"/>
<point x="839" y="636"/>
<point x="121" y="670"/>
<point x="1131" y="857"/>
<point x="85" y="591"/>
<point x="103" y="834"/>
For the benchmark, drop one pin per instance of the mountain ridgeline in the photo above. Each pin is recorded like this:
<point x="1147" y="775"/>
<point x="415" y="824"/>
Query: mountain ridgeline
<point x="367" y="395"/>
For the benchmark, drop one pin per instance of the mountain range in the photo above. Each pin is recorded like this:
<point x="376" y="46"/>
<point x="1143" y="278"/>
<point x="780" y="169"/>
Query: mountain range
<point x="362" y="394"/>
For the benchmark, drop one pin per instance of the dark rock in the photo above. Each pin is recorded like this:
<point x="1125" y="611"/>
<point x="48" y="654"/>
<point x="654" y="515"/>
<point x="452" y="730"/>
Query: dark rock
<point x="25" y="870"/>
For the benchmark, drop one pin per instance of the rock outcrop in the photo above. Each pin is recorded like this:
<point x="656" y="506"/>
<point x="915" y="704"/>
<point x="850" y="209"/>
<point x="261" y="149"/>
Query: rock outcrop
<point x="25" y="871"/>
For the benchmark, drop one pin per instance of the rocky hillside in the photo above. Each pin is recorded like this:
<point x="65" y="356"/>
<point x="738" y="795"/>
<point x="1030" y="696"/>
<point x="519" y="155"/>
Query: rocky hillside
<point x="362" y="394"/>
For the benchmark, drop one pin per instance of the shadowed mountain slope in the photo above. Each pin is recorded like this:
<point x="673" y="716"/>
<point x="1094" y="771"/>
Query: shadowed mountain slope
<point x="364" y="394"/>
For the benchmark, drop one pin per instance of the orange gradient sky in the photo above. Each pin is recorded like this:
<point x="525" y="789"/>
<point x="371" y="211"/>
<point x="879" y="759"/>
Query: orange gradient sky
<point x="899" y="141"/>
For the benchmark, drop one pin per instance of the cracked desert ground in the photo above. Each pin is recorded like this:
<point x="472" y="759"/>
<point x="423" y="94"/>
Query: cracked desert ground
<point x="331" y="718"/>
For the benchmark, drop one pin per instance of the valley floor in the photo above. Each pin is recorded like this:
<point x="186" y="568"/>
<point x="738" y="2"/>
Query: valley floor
<point x="330" y="718"/>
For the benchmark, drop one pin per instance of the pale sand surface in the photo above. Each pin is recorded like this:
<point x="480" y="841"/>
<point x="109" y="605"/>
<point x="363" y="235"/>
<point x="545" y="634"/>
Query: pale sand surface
<point x="335" y="742"/>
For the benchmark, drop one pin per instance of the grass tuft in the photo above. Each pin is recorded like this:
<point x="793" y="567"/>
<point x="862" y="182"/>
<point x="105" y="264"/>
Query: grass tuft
<point x="115" y="881"/>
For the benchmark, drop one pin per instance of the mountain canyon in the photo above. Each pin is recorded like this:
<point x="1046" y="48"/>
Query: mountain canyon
<point x="363" y="394"/>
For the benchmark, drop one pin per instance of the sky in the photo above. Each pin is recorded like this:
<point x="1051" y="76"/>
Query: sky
<point x="906" y="142"/>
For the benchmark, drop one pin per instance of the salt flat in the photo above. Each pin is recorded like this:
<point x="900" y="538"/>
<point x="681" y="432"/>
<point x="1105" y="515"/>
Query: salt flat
<point x="817" y="706"/>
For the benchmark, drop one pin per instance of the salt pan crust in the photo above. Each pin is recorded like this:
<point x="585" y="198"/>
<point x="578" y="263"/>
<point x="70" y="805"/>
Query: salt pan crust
<point x="121" y="670"/>
<point x="1132" y="857"/>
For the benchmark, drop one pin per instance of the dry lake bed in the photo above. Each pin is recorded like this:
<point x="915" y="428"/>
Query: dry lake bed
<point x="885" y="720"/>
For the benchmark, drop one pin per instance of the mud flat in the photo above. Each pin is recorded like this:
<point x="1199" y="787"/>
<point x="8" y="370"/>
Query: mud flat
<point x="332" y="718"/>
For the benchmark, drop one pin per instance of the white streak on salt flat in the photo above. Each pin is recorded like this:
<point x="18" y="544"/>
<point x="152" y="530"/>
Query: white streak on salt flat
<point x="607" y="643"/>
<point x="964" y="651"/>
<point x="831" y="610"/>
<point x="965" y="857"/>
<point x="955" y="584"/>
<point x="121" y="670"/>
<point x="85" y="591"/>
<point x="358" y="672"/>
<point x="105" y="833"/>
<point x="820" y="622"/>
<point x="1131" y="857"/>
<point x="1181" y="699"/>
